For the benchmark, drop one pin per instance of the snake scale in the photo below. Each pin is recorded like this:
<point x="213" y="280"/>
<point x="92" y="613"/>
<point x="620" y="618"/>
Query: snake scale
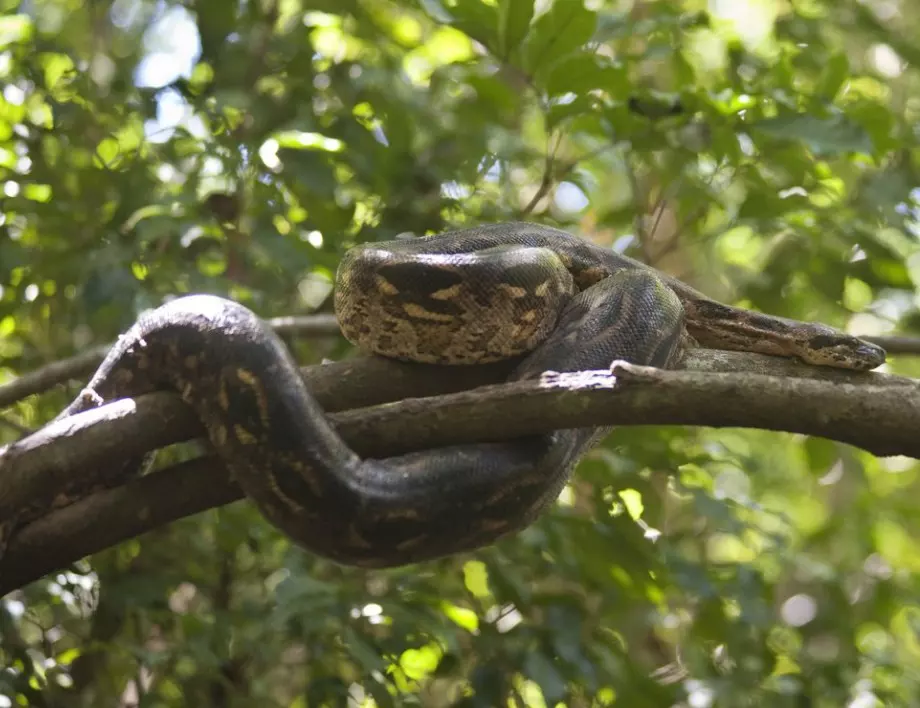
<point x="462" y="297"/>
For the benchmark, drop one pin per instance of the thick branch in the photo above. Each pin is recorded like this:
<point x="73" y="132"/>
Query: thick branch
<point x="877" y="412"/>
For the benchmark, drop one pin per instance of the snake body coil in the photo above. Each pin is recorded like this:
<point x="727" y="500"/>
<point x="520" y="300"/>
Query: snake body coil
<point x="458" y="298"/>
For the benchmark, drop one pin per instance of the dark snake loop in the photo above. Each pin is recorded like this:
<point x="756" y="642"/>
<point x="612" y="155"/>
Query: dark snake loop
<point x="572" y="305"/>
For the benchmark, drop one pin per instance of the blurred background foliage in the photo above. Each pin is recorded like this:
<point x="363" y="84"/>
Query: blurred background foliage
<point x="763" y="150"/>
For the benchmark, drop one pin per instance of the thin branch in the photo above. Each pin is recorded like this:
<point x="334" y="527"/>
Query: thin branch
<point x="546" y="183"/>
<point x="85" y="363"/>
<point x="876" y="412"/>
<point x="897" y="344"/>
<point x="54" y="373"/>
<point x="657" y="211"/>
<point x="550" y="174"/>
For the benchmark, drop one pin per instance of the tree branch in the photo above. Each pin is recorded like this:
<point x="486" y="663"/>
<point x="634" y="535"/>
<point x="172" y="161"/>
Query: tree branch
<point x="896" y="344"/>
<point x="877" y="412"/>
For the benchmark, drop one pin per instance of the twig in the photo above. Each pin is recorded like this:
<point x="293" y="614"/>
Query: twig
<point x="546" y="182"/>
<point x="51" y="375"/>
<point x="897" y="344"/>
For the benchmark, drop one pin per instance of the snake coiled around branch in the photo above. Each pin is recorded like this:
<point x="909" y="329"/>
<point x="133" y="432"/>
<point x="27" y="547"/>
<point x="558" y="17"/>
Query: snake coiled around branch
<point x="459" y="298"/>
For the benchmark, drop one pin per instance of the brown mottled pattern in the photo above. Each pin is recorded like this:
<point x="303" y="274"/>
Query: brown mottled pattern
<point x="485" y="326"/>
<point x="458" y="309"/>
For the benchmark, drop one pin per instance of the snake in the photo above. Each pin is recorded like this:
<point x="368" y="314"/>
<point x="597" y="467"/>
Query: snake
<point x="552" y="300"/>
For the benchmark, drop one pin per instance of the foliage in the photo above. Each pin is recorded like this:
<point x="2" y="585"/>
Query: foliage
<point x="765" y="151"/>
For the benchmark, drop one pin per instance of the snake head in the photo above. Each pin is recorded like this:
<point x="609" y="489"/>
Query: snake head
<point x="842" y="350"/>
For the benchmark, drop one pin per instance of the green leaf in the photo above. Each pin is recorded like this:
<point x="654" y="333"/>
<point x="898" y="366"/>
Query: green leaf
<point x="479" y="21"/>
<point x="37" y="192"/>
<point x="542" y="671"/>
<point x="56" y="66"/>
<point x="15" y="28"/>
<point x="583" y="72"/>
<point x="419" y="663"/>
<point x="878" y="121"/>
<point x="366" y="654"/>
<point x="562" y="112"/>
<point x="825" y="137"/>
<point x="514" y="20"/>
<point x="311" y="170"/>
<point x="461" y="616"/>
<point x="476" y="578"/>
<point x="563" y="29"/>
<point x="885" y="191"/>
<point x="564" y="622"/>
<point x="835" y="74"/>
<point x="108" y="152"/>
